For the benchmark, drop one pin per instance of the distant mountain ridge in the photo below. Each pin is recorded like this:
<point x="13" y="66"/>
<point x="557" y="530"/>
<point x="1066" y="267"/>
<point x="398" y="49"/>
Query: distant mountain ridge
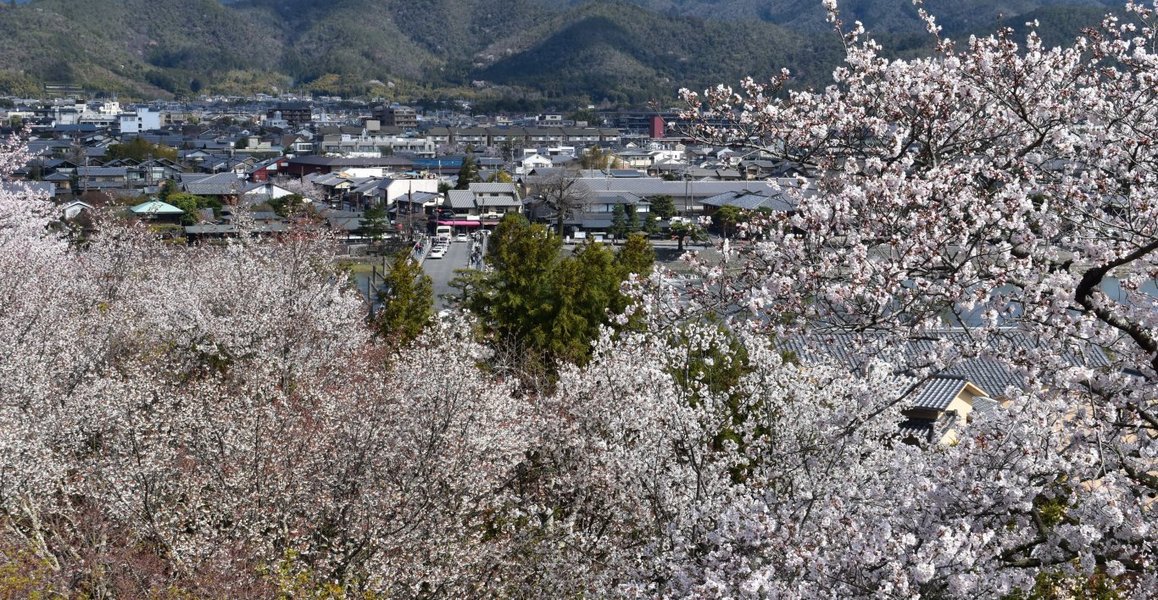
<point x="623" y="51"/>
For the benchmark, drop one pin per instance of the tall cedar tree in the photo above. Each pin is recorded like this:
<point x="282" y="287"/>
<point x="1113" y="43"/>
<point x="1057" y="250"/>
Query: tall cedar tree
<point x="468" y="173"/>
<point x="550" y="305"/>
<point x="407" y="300"/>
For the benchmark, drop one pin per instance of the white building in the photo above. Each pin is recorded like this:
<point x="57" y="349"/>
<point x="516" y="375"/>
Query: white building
<point x="142" y="119"/>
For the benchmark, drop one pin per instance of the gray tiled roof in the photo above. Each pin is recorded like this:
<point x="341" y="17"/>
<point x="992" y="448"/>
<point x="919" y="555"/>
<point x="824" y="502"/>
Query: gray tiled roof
<point x="460" y="199"/>
<point x="337" y="162"/>
<point x="618" y="198"/>
<point x="493" y="188"/>
<point x="753" y="200"/>
<point x="482" y="201"/>
<point x="938" y="392"/>
<point x="654" y="186"/>
<point x="918" y="429"/>
<point x="369" y="187"/>
<point x="35" y="188"/>
<point x="230" y="228"/>
<point x="984" y="406"/>
<point x="926" y="430"/>
<point x="220" y="184"/>
<point x="980" y="366"/>
<point x="101" y="171"/>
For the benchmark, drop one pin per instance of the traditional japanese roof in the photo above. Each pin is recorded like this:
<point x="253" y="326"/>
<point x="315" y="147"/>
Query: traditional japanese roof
<point x="460" y="199"/>
<point x="329" y="180"/>
<point x="342" y="220"/>
<point x="219" y="184"/>
<point x="419" y="197"/>
<point x="369" y="186"/>
<point x="338" y="162"/>
<point x="57" y="163"/>
<point x="482" y="201"/>
<point x="983" y="405"/>
<point x="980" y="366"/>
<point x="493" y="188"/>
<point x="752" y="200"/>
<point x="938" y="392"/>
<point x="917" y="429"/>
<point x="230" y="228"/>
<point x="927" y="430"/>
<point x="618" y="198"/>
<point x="591" y="221"/>
<point x="101" y="171"/>
<point x="35" y="188"/>
<point x="654" y="186"/>
<point x="156" y="207"/>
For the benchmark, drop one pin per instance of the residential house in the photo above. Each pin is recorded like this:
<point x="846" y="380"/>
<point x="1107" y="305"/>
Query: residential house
<point x="225" y="187"/>
<point x="296" y="143"/>
<point x="155" y="210"/>
<point x="300" y="166"/>
<point x="942" y="403"/>
<point x="439" y="136"/>
<point x="762" y="198"/>
<point x="75" y="210"/>
<point x="534" y="161"/>
<point x="102" y="178"/>
<point x="598" y="215"/>
<point x="38" y="189"/>
<point x="941" y="407"/>
<point x="687" y="195"/>
<point x="636" y="159"/>
<point x="483" y="204"/>
<point x="261" y="192"/>
<point x="267" y="169"/>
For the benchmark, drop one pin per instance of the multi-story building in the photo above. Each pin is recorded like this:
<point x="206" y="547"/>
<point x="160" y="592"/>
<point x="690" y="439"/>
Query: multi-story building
<point x="293" y="113"/>
<point x="397" y="116"/>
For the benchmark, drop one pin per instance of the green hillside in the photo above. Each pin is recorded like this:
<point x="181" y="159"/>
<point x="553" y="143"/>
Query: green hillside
<point x="957" y="17"/>
<point x="126" y="46"/>
<point x="626" y="51"/>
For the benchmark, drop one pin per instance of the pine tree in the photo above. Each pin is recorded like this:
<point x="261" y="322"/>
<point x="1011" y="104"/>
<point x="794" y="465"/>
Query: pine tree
<point x="374" y="222"/>
<point x="618" y="222"/>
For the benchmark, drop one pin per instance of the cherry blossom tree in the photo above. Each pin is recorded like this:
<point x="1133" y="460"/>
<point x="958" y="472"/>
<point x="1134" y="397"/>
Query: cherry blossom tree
<point x="1007" y="193"/>
<point x="217" y="420"/>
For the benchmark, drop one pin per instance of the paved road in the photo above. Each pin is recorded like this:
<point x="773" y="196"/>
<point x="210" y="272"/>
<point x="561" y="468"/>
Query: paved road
<point x="441" y="270"/>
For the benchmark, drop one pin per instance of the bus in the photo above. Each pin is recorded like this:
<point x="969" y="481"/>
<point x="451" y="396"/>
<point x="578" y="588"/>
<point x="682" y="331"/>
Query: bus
<point x="443" y="232"/>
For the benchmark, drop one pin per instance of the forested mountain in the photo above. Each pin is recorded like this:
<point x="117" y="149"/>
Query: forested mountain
<point x="626" y="51"/>
<point x="879" y="16"/>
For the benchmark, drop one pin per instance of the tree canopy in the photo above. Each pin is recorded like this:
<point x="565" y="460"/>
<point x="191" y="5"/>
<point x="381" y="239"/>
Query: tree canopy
<point x="548" y="306"/>
<point x="407" y="300"/>
<point x="375" y="222"/>
<point x="468" y="172"/>
<point x="140" y="150"/>
<point x="564" y="195"/>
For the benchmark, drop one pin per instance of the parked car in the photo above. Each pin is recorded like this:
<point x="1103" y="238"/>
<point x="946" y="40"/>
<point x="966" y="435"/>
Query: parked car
<point x="436" y="252"/>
